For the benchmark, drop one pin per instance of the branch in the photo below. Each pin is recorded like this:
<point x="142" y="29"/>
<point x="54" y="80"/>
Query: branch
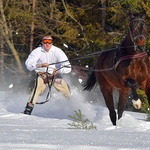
<point x="71" y="16"/>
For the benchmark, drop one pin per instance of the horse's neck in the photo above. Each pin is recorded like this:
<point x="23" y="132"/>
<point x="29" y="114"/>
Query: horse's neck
<point x="127" y="45"/>
<point x="127" y="41"/>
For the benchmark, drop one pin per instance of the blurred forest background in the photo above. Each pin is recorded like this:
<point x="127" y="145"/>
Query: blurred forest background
<point x="78" y="27"/>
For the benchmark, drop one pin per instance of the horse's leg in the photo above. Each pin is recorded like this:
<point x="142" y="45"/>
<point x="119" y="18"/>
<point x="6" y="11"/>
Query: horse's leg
<point x="123" y="98"/>
<point x="107" y="91"/>
<point x="133" y="85"/>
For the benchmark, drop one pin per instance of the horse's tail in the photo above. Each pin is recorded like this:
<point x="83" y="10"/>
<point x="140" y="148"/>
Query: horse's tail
<point x="90" y="82"/>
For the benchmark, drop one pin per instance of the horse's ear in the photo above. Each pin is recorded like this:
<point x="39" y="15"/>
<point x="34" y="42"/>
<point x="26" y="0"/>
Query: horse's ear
<point x="143" y="17"/>
<point x="143" y="14"/>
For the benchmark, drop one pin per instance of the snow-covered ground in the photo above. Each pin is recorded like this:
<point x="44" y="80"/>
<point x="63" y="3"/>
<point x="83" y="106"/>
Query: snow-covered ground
<point x="47" y="128"/>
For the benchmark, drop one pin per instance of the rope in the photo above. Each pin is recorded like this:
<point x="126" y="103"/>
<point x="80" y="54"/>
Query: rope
<point x="116" y="64"/>
<point x="49" y="86"/>
<point x="89" y="55"/>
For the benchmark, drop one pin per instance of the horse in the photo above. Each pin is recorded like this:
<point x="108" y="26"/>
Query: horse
<point x="124" y="68"/>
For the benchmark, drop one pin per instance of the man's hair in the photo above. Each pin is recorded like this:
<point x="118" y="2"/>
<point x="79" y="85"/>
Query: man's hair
<point x="47" y="37"/>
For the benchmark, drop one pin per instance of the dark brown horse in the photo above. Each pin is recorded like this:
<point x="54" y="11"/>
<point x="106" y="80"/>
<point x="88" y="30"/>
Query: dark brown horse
<point x="125" y="69"/>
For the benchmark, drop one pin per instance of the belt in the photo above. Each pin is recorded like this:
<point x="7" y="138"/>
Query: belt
<point x="47" y="77"/>
<point x="40" y="73"/>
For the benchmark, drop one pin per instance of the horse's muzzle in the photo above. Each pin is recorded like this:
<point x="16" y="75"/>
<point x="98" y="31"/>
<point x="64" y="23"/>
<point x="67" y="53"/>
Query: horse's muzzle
<point x="140" y="43"/>
<point x="140" y="40"/>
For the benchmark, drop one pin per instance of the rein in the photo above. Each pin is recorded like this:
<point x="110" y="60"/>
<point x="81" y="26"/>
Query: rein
<point x="90" y="55"/>
<point x="140" y="55"/>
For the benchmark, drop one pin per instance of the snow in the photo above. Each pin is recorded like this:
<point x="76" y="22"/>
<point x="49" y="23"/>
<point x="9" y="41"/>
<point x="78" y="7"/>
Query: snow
<point x="47" y="128"/>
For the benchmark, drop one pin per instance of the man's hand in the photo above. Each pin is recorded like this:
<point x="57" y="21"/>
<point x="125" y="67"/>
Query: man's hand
<point x="55" y="72"/>
<point x="45" y="65"/>
<point x="42" y="65"/>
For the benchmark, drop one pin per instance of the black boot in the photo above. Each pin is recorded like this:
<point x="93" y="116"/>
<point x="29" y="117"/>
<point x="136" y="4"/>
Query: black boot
<point x="28" y="109"/>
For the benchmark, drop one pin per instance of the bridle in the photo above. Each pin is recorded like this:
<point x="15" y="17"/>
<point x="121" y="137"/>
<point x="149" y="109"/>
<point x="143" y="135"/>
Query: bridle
<point x="140" y="23"/>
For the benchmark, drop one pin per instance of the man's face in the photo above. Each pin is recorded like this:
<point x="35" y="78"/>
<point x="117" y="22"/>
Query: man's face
<point x="47" y="43"/>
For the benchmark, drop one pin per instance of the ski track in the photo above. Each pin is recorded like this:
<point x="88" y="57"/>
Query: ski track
<point x="47" y="128"/>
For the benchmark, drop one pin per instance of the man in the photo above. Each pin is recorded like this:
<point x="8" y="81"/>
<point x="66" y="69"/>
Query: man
<point x="49" y="62"/>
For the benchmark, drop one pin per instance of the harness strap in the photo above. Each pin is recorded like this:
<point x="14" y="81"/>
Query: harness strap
<point x="129" y="57"/>
<point x="49" y="86"/>
<point x="140" y="55"/>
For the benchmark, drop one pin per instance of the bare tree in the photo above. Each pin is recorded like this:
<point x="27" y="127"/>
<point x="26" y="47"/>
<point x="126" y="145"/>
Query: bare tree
<point x="1" y="58"/>
<point x="5" y="33"/>
<point x="77" y="22"/>
<point x="32" y="25"/>
<point x="103" y="3"/>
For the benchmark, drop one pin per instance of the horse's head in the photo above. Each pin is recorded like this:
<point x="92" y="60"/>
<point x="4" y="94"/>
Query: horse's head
<point x="138" y="32"/>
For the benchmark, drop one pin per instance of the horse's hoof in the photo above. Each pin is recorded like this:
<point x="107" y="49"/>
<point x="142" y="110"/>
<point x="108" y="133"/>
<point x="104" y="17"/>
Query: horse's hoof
<point x="136" y="103"/>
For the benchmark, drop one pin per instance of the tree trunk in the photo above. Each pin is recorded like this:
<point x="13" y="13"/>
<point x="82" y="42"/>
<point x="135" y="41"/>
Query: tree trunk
<point x="32" y="26"/>
<point x="5" y="33"/>
<point x="52" y="7"/>
<point x="2" y="76"/>
<point x="103" y="3"/>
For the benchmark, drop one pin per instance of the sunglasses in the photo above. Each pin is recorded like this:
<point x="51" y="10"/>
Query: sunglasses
<point x="45" y="41"/>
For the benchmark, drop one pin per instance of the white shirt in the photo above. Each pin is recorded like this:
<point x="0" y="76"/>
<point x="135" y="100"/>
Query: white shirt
<point x="54" y="56"/>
